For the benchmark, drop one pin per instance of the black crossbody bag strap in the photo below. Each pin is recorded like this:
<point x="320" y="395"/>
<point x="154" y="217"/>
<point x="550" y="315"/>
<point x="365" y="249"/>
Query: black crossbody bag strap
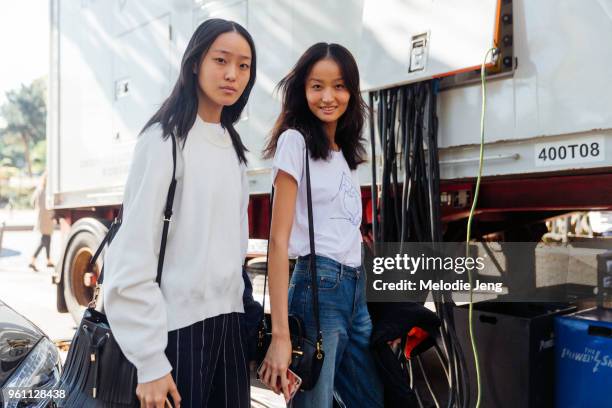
<point x="312" y="265"/>
<point x="167" y="216"/>
<point x="312" y="259"/>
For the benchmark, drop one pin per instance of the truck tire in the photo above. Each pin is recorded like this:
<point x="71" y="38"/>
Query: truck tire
<point x="60" y="300"/>
<point x="85" y="236"/>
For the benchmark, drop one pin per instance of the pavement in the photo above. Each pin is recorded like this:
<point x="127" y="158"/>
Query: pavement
<point x="17" y="220"/>
<point x="31" y="293"/>
<point x="34" y="296"/>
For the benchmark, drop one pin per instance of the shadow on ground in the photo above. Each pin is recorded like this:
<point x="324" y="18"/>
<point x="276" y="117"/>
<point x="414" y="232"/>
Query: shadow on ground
<point x="6" y="252"/>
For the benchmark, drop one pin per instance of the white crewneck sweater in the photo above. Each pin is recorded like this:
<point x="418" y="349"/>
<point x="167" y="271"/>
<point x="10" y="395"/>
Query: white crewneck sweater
<point x="207" y="243"/>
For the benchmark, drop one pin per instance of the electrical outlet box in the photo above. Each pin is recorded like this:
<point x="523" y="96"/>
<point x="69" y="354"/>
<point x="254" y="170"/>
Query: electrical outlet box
<point x="418" y="52"/>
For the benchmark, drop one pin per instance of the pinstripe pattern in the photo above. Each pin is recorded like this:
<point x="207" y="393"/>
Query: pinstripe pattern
<point x="178" y="335"/>
<point x="209" y="364"/>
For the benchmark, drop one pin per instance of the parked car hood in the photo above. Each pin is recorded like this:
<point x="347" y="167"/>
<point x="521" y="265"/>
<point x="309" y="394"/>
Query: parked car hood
<point x="17" y="337"/>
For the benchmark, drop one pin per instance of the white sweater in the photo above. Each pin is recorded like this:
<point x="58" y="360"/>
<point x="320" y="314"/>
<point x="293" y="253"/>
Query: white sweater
<point x="207" y="243"/>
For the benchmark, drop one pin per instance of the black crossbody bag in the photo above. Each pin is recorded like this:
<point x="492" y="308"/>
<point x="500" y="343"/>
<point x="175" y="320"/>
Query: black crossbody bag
<point x="307" y="354"/>
<point x="96" y="373"/>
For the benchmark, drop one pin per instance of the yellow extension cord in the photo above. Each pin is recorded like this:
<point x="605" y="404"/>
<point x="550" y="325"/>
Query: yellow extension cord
<point x="469" y="223"/>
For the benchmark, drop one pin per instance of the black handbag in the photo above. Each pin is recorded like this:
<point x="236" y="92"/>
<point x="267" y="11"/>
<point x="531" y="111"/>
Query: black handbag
<point x="307" y="354"/>
<point x="253" y="313"/>
<point x="96" y="373"/>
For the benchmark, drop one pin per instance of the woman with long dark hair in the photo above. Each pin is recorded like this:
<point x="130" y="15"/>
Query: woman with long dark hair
<point x="323" y="113"/>
<point x="186" y="336"/>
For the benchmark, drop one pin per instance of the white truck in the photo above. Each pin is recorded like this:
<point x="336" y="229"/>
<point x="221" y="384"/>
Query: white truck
<point x="548" y="124"/>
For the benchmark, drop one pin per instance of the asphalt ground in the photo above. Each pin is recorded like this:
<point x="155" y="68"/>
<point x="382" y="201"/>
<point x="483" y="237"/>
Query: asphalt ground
<point x="31" y="293"/>
<point x="34" y="296"/>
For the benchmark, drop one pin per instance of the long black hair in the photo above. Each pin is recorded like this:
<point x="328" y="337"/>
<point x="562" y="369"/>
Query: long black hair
<point x="178" y="113"/>
<point x="296" y="114"/>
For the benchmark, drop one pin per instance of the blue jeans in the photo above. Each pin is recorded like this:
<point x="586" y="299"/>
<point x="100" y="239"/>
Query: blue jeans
<point x="348" y="371"/>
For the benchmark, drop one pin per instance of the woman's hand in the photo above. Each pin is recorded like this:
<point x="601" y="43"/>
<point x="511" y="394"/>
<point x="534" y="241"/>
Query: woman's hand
<point x="273" y="371"/>
<point x="154" y="394"/>
<point x="275" y="365"/>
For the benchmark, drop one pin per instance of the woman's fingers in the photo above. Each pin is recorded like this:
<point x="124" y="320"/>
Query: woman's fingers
<point x="176" y="397"/>
<point x="266" y="374"/>
<point x="152" y="403"/>
<point x="144" y="401"/>
<point x="154" y="394"/>
<point x="271" y="378"/>
<point x="275" y="381"/>
<point x="274" y="375"/>
<point x="284" y="381"/>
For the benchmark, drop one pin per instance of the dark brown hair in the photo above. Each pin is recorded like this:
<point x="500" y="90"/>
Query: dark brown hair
<point x="296" y="114"/>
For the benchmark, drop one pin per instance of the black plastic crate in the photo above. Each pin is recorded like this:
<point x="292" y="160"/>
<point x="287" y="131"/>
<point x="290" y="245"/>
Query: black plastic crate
<point x="515" y="347"/>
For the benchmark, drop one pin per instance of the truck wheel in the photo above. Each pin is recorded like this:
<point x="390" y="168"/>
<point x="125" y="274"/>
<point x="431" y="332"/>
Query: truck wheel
<point x="85" y="237"/>
<point x="60" y="303"/>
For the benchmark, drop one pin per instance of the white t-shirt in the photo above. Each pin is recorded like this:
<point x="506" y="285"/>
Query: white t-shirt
<point x="336" y="202"/>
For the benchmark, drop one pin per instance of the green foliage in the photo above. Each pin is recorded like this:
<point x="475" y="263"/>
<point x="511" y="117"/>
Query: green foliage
<point x="24" y="115"/>
<point x="39" y="157"/>
<point x="17" y="198"/>
<point x="25" y="110"/>
<point x="22" y="140"/>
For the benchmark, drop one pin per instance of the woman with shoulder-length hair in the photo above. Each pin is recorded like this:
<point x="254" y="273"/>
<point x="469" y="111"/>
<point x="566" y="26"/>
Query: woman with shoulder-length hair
<point x="186" y="335"/>
<point x="323" y="113"/>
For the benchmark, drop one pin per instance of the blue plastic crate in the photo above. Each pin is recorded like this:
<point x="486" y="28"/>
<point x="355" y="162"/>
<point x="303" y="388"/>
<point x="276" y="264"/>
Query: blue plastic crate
<point x="583" y="359"/>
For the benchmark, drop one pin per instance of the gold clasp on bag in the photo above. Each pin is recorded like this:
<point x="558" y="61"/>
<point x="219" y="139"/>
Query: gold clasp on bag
<point x="94" y="299"/>
<point x="260" y="337"/>
<point x="319" y="354"/>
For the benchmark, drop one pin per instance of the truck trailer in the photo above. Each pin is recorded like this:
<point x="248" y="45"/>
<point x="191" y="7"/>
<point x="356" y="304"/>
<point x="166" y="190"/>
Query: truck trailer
<point x="548" y="122"/>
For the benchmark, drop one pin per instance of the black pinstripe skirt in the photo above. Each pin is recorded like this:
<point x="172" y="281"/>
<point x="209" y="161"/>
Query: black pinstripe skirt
<point x="209" y="362"/>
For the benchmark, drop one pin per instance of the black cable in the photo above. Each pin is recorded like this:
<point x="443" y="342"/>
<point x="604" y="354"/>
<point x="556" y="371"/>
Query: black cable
<point x="433" y="191"/>
<point x="393" y="156"/>
<point x="407" y="123"/>
<point x="382" y="112"/>
<point x="374" y="189"/>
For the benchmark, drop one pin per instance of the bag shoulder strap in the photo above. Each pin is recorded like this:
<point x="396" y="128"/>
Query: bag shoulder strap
<point x="312" y="258"/>
<point x="313" y="261"/>
<point x="166" y="220"/>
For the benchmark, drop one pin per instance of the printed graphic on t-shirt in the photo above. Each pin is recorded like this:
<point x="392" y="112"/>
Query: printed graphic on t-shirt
<point x="350" y="199"/>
